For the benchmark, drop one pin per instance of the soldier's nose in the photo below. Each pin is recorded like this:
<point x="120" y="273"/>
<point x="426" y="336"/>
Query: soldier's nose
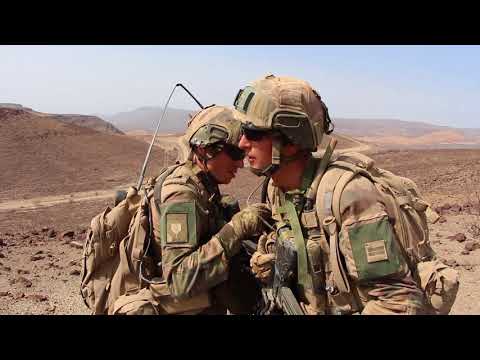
<point x="244" y="144"/>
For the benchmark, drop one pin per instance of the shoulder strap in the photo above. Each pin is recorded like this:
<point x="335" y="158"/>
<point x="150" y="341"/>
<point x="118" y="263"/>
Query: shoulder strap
<point x="157" y="194"/>
<point x="144" y="231"/>
<point x="328" y="210"/>
<point x="324" y="163"/>
<point x="344" y="179"/>
<point x="325" y="191"/>
<point x="264" y="195"/>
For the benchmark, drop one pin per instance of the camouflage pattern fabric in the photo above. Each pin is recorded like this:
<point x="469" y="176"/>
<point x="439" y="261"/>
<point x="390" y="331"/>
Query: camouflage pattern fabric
<point x="188" y="268"/>
<point x="198" y="277"/>
<point x="379" y="285"/>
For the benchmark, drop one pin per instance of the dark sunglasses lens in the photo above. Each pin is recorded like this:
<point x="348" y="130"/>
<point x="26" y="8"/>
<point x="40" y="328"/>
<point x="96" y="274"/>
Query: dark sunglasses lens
<point x="254" y="135"/>
<point x="234" y="152"/>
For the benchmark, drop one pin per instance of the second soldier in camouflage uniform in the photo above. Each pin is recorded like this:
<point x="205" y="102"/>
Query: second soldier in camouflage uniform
<point x="195" y="243"/>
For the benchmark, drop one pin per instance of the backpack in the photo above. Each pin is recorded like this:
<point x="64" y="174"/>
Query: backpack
<point x="410" y="215"/>
<point x="117" y="236"/>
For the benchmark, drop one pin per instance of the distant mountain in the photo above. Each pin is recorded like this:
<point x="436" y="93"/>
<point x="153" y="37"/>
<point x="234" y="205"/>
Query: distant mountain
<point x="87" y="121"/>
<point x="392" y="132"/>
<point x="13" y="106"/>
<point x="146" y="118"/>
<point x="384" y="132"/>
<point x="384" y="127"/>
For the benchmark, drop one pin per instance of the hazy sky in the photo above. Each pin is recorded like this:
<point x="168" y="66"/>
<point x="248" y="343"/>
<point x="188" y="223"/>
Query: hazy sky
<point x="435" y="84"/>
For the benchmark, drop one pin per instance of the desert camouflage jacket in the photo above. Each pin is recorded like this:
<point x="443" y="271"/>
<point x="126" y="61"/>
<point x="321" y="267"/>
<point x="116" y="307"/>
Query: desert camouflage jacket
<point x="386" y="287"/>
<point x="191" y="259"/>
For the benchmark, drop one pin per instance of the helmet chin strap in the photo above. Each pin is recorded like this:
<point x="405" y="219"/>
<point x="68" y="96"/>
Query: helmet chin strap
<point x="267" y="171"/>
<point x="271" y="168"/>
<point x="275" y="164"/>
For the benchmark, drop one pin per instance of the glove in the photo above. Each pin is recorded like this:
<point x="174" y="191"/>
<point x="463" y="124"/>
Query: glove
<point x="248" y="223"/>
<point x="263" y="260"/>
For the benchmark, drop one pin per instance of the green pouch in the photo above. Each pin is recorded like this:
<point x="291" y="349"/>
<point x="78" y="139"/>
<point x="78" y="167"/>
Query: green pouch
<point x="375" y="250"/>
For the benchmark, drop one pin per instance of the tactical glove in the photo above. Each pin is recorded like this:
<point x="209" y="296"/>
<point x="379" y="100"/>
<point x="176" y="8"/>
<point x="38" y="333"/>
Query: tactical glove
<point x="248" y="223"/>
<point x="263" y="260"/>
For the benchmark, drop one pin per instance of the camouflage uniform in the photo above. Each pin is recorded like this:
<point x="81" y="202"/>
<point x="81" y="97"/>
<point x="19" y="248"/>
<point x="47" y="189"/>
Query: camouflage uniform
<point x="198" y="270"/>
<point x="198" y="264"/>
<point x="382" y="284"/>
<point x="362" y="216"/>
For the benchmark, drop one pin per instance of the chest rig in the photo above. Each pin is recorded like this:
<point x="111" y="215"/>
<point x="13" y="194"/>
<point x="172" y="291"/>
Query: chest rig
<point x="314" y="241"/>
<point x="296" y="222"/>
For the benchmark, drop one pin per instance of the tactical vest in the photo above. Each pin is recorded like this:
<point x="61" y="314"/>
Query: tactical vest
<point x="288" y="210"/>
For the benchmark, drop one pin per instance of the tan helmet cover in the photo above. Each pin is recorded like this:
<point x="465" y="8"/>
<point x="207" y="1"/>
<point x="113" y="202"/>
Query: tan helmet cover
<point x="287" y="104"/>
<point x="212" y="125"/>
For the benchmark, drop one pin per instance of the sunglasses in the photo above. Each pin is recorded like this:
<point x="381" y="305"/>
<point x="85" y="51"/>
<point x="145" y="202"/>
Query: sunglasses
<point x="254" y="134"/>
<point x="234" y="152"/>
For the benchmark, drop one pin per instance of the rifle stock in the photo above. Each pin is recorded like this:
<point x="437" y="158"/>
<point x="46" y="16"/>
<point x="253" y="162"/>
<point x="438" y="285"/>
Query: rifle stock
<point x="287" y="302"/>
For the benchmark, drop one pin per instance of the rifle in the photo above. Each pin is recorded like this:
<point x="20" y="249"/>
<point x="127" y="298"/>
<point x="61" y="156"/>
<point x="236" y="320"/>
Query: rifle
<point x="279" y="298"/>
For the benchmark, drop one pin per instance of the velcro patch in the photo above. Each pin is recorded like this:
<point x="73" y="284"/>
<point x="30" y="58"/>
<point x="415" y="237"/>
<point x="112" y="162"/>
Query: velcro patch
<point x="177" y="228"/>
<point x="376" y="251"/>
<point x="309" y="219"/>
<point x="179" y="223"/>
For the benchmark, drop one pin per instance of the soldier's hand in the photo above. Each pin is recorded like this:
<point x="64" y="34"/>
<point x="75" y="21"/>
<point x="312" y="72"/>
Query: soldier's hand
<point x="263" y="260"/>
<point x="246" y="224"/>
<point x="261" y="210"/>
<point x="251" y="221"/>
<point x="262" y="266"/>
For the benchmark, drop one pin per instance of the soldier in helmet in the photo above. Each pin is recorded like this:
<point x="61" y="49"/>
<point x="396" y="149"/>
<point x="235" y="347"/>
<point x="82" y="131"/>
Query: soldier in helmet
<point x="284" y="121"/>
<point x="197" y="235"/>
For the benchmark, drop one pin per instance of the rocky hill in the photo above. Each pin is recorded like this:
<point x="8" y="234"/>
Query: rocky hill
<point x="88" y="121"/>
<point x="41" y="155"/>
<point x="92" y="122"/>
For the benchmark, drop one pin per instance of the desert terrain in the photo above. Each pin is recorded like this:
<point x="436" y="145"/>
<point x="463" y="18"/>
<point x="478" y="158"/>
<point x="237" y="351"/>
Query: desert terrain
<point x="57" y="175"/>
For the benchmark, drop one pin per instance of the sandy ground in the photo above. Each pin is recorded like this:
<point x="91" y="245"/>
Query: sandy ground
<point x="40" y="274"/>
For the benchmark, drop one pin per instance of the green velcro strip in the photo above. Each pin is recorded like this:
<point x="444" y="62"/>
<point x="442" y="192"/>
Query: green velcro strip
<point x="375" y="251"/>
<point x="179" y="223"/>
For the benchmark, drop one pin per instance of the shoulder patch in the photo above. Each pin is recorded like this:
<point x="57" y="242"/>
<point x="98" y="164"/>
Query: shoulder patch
<point x="177" y="228"/>
<point x="374" y="249"/>
<point x="179" y="223"/>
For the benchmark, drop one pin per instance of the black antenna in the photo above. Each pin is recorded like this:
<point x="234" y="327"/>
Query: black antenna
<point x="144" y="167"/>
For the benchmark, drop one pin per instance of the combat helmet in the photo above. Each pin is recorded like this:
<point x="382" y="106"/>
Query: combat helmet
<point x="214" y="127"/>
<point x="287" y="107"/>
